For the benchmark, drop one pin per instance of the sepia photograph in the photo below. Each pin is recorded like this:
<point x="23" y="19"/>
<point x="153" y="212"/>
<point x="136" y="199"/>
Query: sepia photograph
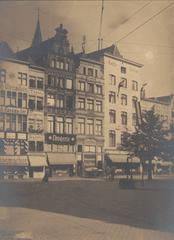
<point x="86" y="120"/>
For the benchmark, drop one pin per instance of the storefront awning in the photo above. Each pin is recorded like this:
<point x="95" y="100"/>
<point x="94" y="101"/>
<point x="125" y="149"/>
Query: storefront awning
<point x="118" y="158"/>
<point x="167" y="164"/>
<point x="61" y="158"/>
<point x="37" y="161"/>
<point x="14" y="161"/>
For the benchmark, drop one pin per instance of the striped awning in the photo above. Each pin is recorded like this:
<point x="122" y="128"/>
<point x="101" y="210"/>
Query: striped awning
<point x="37" y="160"/>
<point x="61" y="158"/>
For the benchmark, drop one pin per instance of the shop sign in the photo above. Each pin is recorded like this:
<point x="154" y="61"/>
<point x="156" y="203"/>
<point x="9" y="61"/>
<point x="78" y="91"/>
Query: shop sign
<point x="12" y="160"/>
<point x="36" y="92"/>
<point x="35" y="137"/>
<point x="11" y="135"/>
<point x="22" y="136"/>
<point x="60" y="138"/>
<point x="13" y="110"/>
<point x="1" y="135"/>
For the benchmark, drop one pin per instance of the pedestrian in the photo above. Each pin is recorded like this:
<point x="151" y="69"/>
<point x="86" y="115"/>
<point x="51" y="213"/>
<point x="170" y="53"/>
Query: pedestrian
<point x="45" y="179"/>
<point x="112" y="173"/>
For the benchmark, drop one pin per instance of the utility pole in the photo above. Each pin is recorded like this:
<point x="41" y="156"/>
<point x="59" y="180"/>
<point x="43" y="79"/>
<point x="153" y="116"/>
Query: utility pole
<point x="100" y="40"/>
<point x="83" y="44"/>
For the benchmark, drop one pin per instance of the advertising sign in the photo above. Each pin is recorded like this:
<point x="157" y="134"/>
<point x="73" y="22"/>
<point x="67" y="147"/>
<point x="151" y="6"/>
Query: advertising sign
<point x="60" y="138"/>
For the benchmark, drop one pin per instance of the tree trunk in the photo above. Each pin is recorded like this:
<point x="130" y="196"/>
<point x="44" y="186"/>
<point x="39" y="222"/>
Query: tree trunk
<point x="150" y="170"/>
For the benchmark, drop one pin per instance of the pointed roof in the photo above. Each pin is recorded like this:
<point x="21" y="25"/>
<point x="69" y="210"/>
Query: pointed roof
<point x="37" y="39"/>
<point x="5" y="50"/>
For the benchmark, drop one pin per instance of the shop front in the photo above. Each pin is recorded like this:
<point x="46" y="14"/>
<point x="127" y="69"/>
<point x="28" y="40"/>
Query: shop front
<point x="61" y="162"/>
<point x="14" y="167"/>
<point x="122" y="162"/>
<point x="37" y="165"/>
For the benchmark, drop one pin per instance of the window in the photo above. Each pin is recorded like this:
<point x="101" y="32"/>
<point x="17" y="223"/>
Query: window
<point x="59" y="82"/>
<point x="11" y="122"/>
<point x="96" y="73"/>
<point x="66" y="66"/>
<point x="52" y="63"/>
<point x="22" y="78"/>
<point x="59" y="125"/>
<point x="32" y="82"/>
<point x="31" y="102"/>
<point x="90" y="104"/>
<point x="98" y="106"/>
<point x="111" y="138"/>
<point x="31" y="125"/>
<point x="124" y="82"/>
<point x="57" y="64"/>
<point x="81" y="103"/>
<point x="61" y="65"/>
<point x="79" y="148"/>
<point x="40" y="83"/>
<point x="90" y="148"/>
<point x="123" y="70"/>
<point x="98" y="89"/>
<point x="124" y="118"/>
<point x="134" y="85"/>
<point x="51" y="80"/>
<point x="2" y="98"/>
<point x="10" y="148"/>
<point x="112" y="97"/>
<point x="50" y="100"/>
<point x="134" y="119"/>
<point x="69" y="125"/>
<point x="84" y="70"/>
<point x="81" y="126"/>
<point x="32" y="146"/>
<point x="2" y="122"/>
<point x="123" y="99"/>
<point x="50" y="124"/>
<point x="112" y="79"/>
<point x="39" y="103"/>
<point x="99" y="127"/>
<point x="60" y="101"/>
<point x="82" y="86"/>
<point x="11" y="99"/>
<point x="69" y="84"/>
<point x="39" y="125"/>
<point x="112" y="116"/>
<point x="22" y="100"/>
<point x="70" y="103"/>
<point x="134" y="100"/>
<point x="90" y="127"/>
<point x="90" y="87"/>
<point x="22" y="123"/>
<point x="2" y="75"/>
<point x="39" y="146"/>
<point x="90" y="72"/>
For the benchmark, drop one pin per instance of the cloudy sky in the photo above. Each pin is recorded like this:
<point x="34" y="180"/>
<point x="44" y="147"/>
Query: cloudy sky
<point x="152" y="44"/>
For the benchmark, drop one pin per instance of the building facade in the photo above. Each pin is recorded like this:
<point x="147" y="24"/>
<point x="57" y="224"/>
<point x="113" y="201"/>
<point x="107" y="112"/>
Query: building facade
<point x="19" y="145"/>
<point x="59" y="107"/>
<point x="89" y="113"/>
<point x="122" y="90"/>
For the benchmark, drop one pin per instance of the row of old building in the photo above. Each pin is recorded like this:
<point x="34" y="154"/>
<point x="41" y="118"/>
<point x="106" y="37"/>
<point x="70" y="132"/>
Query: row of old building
<point x="61" y="109"/>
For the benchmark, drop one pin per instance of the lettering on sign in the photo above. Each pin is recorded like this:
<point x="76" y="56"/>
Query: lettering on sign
<point x="1" y="135"/>
<point x="35" y="137"/>
<point x="13" y="110"/>
<point x="22" y="136"/>
<point x="60" y="138"/>
<point x="36" y="92"/>
<point x="12" y="160"/>
<point x="11" y="135"/>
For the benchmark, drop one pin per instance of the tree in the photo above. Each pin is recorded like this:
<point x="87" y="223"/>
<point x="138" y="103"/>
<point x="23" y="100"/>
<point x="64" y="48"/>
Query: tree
<point x="147" y="139"/>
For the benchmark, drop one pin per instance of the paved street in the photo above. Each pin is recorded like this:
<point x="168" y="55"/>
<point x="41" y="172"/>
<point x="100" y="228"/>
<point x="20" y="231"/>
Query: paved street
<point x="88" y="209"/>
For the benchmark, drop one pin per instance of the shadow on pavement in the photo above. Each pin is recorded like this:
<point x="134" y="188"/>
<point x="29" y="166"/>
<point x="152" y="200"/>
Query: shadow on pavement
<point x="151" y="207"/>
